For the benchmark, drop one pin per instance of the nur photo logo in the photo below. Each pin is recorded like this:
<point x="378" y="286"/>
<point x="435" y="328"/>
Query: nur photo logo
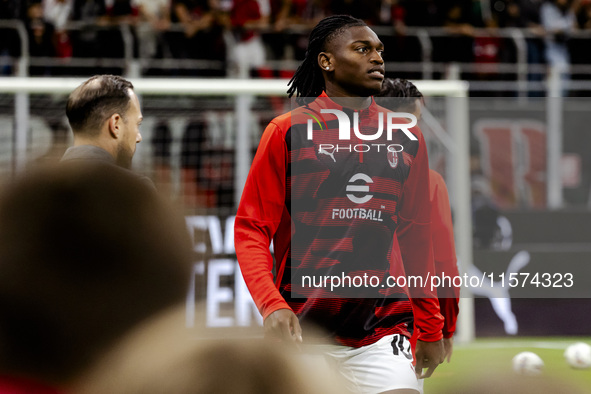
<point x="345" y="125"/>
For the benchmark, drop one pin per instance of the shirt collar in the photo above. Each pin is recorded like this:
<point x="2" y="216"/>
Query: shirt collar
<point x="88" y="152"/>
<point x="324" y="101"/>
<point x="20" y="385"/>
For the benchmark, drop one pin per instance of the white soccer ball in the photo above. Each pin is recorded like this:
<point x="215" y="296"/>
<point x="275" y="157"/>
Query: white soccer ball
<point x="578" y="355"/>
<point x="528" y="364"/>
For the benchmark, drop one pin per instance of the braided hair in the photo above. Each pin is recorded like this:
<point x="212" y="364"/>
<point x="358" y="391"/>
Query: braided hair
<point x="404" y="91"/>
<point x="308" y="81"/>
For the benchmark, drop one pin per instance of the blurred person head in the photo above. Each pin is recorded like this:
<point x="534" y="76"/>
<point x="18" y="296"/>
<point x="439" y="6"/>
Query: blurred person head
<point x="104" y="111"/>
<point x="87" y="251"/>
<point x="162" y="357"/>
<point x="345" y="56"/>
<point x="34" y="9"/>
<point x="407" y="96"/>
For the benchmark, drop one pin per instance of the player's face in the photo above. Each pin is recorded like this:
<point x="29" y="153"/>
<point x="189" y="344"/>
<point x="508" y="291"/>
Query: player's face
<point x="356" y="64"/>
<point x="130" y="133"/>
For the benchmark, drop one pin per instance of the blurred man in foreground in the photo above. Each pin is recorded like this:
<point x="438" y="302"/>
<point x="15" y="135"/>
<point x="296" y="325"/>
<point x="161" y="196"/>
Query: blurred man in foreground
<point x="87" y="252"/>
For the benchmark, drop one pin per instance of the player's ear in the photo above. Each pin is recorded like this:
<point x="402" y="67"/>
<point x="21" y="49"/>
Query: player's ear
<point x="325" y="61"/>
<point x="115" y="125"/>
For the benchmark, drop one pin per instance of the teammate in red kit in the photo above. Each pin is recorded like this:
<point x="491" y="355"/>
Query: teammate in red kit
<point x="408" y="98"/>
<point x="444" y="252"/>
<point x="343" y="207"/>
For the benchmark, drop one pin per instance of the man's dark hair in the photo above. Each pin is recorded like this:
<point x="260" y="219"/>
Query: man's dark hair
<point x="405" y="92"/>
<point x="93" y="102"/>
<point x="308" y="80"/>
<point x="87" y="252"/>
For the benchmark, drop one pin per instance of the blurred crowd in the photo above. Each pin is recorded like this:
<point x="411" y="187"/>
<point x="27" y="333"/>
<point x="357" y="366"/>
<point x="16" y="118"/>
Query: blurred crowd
<point x="231" y="36"/>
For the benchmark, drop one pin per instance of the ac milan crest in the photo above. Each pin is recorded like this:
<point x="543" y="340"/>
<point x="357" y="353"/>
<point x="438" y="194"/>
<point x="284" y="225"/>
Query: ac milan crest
<point x="393" y="159"/>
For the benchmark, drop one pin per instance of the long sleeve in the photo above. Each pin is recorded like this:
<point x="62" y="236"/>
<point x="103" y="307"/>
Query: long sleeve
<point x="414" y="237"/>
<point x="260" y="213"/>
<point x="444" y="251"/>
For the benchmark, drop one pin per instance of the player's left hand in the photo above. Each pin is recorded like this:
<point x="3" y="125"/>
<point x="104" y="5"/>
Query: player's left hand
<point x="448" y="345"/>
<point x="429" y="355"/>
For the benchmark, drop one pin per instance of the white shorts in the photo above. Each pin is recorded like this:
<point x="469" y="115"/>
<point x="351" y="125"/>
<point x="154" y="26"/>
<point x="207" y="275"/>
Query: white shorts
<point x="382" y="366"/>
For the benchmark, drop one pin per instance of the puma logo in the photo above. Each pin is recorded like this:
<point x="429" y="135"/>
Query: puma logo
<point x="327" y="153"/>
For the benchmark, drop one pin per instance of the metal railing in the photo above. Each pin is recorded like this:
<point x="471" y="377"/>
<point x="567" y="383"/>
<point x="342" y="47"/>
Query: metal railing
<point x="427" y="67"/>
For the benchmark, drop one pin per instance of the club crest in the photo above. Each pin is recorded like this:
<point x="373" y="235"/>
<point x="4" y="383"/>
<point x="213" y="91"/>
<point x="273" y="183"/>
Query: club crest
<point x="393" y="159"/>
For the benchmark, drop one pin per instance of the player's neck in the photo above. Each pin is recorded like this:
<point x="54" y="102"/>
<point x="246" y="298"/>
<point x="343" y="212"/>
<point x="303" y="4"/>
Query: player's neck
<point x="346" y="99"/>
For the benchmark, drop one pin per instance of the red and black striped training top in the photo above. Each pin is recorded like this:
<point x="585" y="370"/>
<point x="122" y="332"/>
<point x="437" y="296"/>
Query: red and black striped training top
<point x="339" y="208"/>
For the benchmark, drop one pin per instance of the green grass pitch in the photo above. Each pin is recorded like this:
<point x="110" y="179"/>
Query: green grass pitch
<point x="484" y="366"/>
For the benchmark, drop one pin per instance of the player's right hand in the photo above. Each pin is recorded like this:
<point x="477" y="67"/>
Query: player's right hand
<point x="283" y="324"/>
